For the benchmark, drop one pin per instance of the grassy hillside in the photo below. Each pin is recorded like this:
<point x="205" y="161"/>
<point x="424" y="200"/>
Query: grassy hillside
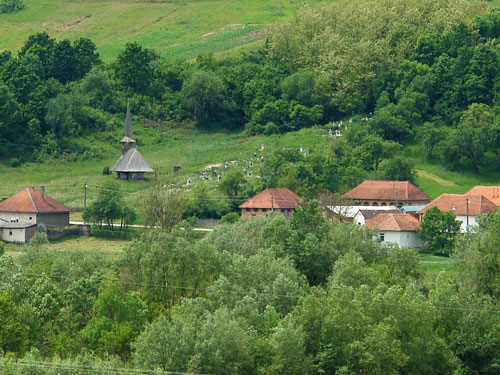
<point x="189" y="149"/>
<point x="192" y="150"/>
<point x="174" y="27"/>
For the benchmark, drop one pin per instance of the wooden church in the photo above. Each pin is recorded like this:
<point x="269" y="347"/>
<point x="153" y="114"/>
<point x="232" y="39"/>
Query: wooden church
<point x="131" y="165"/>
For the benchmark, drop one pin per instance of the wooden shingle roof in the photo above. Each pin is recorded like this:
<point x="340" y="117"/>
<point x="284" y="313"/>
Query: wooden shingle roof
<point x="273" y="199"/>
<point x="131" y="161"/>
<point x="30" y="200"/>
<point x="387" y="190"/>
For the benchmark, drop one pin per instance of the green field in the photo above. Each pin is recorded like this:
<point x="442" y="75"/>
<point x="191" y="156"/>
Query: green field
<point x="192" y="150"/>
<point x="174" y="28"/>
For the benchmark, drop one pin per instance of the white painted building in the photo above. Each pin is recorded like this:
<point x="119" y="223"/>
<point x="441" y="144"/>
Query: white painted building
<point x="396" y="228"/>
<point x="465" y="207"/>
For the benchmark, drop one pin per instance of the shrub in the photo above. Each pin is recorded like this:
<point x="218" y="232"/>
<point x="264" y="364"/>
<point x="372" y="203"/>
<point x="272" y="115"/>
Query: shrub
<point x="230" y="218"/>
<point x="11" y="6"/>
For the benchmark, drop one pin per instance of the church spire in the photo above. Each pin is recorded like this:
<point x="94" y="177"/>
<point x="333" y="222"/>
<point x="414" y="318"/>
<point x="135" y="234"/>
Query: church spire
<point x="128" y="130"/>
<point x="127" y="141"/>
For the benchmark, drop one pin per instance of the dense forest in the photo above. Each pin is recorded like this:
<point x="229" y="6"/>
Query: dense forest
<point x="266" y="295"/>
<point x="261" y="296"/>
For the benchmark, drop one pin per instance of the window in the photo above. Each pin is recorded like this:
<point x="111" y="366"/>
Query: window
<point x="31" y="218"/>
<point x="381" y="236"/>
<point x="10" y="233"/>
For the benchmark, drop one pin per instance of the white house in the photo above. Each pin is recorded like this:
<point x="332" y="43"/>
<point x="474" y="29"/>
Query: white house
<point x="349" y="212"/>
<point x="465" y="207"/>
<point x="24" y="212"/>
<point x="400" y="229"/>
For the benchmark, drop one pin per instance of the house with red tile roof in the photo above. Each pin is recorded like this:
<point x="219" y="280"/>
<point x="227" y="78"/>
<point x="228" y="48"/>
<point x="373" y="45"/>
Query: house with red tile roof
<point x="281" y="200"/>
<point x="465" y="207"/>
<point x="24" y="212"/>
<point x="401" y="229"/>
<point x="490" y="192"/>
<point x="387" y="193"/>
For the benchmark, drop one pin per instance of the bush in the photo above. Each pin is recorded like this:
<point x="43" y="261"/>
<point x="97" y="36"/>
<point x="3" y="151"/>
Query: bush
<point x="230" y="218"/>
<point x="11" y="6"/>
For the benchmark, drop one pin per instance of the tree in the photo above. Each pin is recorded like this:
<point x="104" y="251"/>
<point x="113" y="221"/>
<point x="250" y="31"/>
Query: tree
<point x="397" y="168"/>
<point x="14" y="334"/>
<point x="438" y="229"/>
<point x="472" y="133"/>
<point x="231" y="185"/>
<point x="108" y="207"/>
<point x="431" y="136"/>
<point x="133" y="67"/>
<point x="162" y="207"/>
<point x="205" y="97"/>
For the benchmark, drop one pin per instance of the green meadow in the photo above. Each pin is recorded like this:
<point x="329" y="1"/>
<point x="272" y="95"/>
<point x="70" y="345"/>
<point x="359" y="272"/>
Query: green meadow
<point x="173" y="28"/>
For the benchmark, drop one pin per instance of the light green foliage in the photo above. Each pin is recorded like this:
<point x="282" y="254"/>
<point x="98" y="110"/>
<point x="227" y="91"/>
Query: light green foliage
<point x="162" y="208"/>
<point x="118" y="317"/>
<point x="438" y="229"/>
<point x="196" y="340"/>
<point x="479" y="258"/>
<point x="261" y="278"/>
<point x="13" y="335"/>
<point x="170" y="260"/>
<point x="109" y="206"/>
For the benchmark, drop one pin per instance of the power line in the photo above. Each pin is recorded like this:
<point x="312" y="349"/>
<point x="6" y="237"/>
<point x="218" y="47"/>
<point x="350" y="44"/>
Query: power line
<point x="89" y="368"/>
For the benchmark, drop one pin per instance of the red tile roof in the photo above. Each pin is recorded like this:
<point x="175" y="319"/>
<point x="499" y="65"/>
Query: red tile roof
<point x="387" y="190"/>
<point x="394" y="222"/>
<point x="478" y="204"/>
<point x="273" y="198"/>
<point x="489" y="192"/>
<point x="30" y="200"/>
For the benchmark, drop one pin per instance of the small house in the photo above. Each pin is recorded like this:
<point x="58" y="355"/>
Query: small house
<point x="281" y="200"/>
<point x="22" y="214"/>
<point x="387" y="193"/>
<point x="397" y="228"/>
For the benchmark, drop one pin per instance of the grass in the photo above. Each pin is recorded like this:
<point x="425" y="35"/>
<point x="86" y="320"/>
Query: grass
<point x="190" y="149"/>
<point x="180" y="28"/>
<point x="70" y="244"/>
<point x="433" y="264"/>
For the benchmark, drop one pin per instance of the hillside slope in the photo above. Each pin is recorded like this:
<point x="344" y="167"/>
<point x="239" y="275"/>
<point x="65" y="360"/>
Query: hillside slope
<point x="174" y="28"/>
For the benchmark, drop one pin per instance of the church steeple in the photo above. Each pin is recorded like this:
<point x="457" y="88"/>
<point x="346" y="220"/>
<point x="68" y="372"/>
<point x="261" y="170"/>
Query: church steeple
<point x="127" y="141"/>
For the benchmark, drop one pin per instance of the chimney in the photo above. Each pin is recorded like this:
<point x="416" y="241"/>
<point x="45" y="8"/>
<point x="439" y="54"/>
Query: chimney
<point x="42" y="191"/>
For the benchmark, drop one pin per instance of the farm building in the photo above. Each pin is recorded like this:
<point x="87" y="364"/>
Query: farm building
<point x="282" y="201"/>
<point x="387" y="193"/>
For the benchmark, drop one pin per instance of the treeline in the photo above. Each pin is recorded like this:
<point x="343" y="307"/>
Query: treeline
<point x="426" y="70"/>
<point x="264" y="295"/>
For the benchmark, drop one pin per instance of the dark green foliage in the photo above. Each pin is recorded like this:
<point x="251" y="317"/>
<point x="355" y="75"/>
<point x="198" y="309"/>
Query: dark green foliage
<point x="11" y="6"/>
<point x="438" y="229"/>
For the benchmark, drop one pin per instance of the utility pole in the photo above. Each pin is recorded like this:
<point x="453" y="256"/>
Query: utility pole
<point x="467" y="213"/>
<point x="84" y="198"/>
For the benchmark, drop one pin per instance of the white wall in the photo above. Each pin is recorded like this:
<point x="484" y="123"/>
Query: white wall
<point x="18" y="235"/>
<point x="463" y="225"/>
<point x="403" y="239"/>
<point x="24" y="217"/>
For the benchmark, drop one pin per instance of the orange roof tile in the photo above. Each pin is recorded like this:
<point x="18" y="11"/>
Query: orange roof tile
<point x="490" y="192"/>
<point x="478" y="204"/>
<point x="387" y="190"/>
<point x="30" y="200"/>
<point x="394" y="222"/>
<point x="273" y="198"/>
